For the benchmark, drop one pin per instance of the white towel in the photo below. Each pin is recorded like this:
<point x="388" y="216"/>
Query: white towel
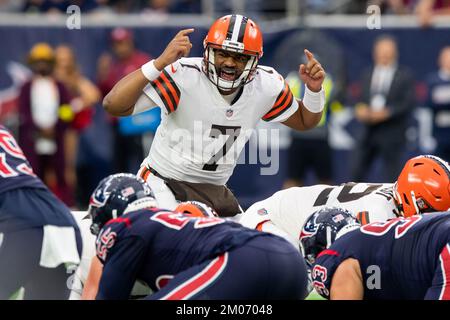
<point x="59" y="246"/>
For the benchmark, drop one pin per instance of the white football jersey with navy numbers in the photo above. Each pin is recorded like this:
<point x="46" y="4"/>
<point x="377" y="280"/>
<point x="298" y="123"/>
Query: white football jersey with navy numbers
<point x="201" y="135"/>
<point x="289" y="209"/>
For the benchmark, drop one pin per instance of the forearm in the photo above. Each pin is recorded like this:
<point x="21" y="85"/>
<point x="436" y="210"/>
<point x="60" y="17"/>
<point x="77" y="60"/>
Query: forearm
<point x="309" y="119"/>
<point x="91" y="286"/>
<point x="347" y="281"/>
<point x="121" y="99"/>
<point x="309" y="111"/>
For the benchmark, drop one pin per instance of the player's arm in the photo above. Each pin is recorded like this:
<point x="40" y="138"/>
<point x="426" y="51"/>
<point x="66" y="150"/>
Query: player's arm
<point x="347" y="282"/>
<point x="310" y="109"/>
<point x="440" y="285"/>
<point x="121" y="268"/>
<point x="121" y="100"/>
<point x="90" y="288"/>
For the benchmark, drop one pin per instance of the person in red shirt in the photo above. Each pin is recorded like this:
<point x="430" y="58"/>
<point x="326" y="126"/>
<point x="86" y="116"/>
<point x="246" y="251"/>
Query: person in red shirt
<point x="125" y="59"/>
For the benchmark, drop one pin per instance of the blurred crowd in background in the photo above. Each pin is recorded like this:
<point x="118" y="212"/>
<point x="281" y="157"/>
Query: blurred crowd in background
<point x="424" y="9"/>
<point x="57" y="105"/>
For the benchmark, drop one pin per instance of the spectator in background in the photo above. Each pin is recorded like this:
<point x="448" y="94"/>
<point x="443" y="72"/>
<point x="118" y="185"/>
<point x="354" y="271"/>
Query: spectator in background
<point x="124" y="6"/>
<point x="60" y="6"/>
<point x="44" y="129"/>
<point x="125" y="59"/>
<point x="160" y="9"/>
<point x="427" y="9"/>
<point x="186" y="6"/>
<point x="439" y="101"/>
<point x="252" y="8"/>
<point x="384" y="112"/>
<point x="156" y="9"/>
<point x="398" y="7"/>
<point x="11" y="5"/>
<point x="84" y="95"/>
<point x="45" y="6"/>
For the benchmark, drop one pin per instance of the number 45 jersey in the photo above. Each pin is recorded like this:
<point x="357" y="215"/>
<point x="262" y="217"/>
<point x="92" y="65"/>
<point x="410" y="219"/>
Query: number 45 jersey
<point x="201" y="134"/>
<point x="289" y="209"/>
<point x="154" y="245"/>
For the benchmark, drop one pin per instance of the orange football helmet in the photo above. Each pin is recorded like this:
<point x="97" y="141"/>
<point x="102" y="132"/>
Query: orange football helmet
<point x="196" y="209"/>
<point x="235" y="33"/>
<point x="423" y="186"/>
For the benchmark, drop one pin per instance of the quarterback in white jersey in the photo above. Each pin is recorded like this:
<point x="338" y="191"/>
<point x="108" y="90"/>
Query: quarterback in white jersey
<point x="188" y="143"/>
<point x="210" y="106"/>
<point x="285" y="212"/>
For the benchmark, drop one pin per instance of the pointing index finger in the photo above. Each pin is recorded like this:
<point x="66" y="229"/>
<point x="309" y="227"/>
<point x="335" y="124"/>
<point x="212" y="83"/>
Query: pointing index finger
<point x="309" y="55"/>
<point x="186" y="31"/>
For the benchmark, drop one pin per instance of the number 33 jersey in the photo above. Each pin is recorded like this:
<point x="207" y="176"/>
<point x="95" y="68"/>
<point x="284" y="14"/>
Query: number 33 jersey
<point x="289" y="209"/>
<point x="201" y="134"/>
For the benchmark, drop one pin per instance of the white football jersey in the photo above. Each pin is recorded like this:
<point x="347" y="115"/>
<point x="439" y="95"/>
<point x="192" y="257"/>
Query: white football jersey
<point x="201" y="134"/>
<point x="289" y="209"/>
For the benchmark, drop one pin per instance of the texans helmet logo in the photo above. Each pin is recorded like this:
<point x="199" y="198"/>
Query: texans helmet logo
<point x="99" y="198"/>
<point x="309" y="228"/>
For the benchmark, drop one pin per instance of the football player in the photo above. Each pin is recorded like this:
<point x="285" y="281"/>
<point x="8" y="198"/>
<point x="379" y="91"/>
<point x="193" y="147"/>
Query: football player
<point x="87" y="276"/>
<point x="210" y="106"/>
<point x="422" y="186"/>
<point x="184" y="257"/>
<point x="40" y="242"/>
<point x="403" y="258"/>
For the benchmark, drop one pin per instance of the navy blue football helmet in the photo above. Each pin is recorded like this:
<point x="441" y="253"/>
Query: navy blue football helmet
<point x="113" y="196"/>
<point x="322" y="228"/>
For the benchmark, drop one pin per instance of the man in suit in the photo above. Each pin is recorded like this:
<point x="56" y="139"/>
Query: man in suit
<point x="387" y="102"/>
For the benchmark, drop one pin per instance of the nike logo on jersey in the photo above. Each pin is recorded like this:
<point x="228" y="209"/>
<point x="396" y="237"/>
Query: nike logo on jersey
<point x="173" y="69"/>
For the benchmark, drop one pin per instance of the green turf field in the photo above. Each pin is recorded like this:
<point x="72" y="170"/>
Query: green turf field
<point x="314" y="296"/>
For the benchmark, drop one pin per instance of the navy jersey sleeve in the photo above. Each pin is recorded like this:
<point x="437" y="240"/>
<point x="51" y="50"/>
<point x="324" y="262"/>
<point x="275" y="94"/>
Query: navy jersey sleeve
<point x="121" y="265"/>
<point x="440" y="286"/>
<point x="323" y="270"/>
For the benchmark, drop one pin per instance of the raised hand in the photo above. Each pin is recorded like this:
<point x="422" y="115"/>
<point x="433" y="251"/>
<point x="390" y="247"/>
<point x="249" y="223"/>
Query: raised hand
<point x="312" y="74"/>
<point x="180" y="46"/>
